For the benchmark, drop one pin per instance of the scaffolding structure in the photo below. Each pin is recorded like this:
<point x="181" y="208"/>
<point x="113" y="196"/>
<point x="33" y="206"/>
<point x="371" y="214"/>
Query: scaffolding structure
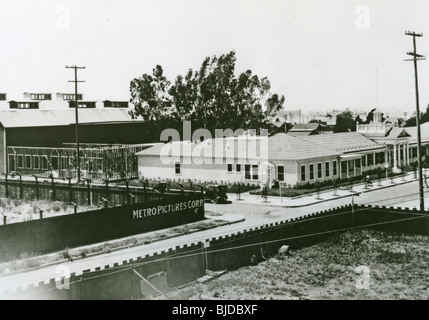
<point x="97" y="162"/>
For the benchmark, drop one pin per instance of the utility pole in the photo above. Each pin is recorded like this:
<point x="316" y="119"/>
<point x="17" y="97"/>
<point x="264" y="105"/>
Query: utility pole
<point x="415" y="58"/>
<point x="77" y="117"/>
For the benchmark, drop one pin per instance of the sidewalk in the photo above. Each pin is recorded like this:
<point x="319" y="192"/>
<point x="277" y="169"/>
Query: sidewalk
<point x="313" y="198"/>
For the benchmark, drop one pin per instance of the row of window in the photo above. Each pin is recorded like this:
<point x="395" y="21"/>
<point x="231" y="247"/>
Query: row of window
<point x="29" y="162"/>
<point x="251" y="171"/>
<point x="370" y="159"/>
<point x="35" y="96"/>
<point x="82" y="104"/>
<point x="23" y="105"/>
<point x="320" y="169"/>
<point x="42" y="162"/>
<point x="67" y="96"/>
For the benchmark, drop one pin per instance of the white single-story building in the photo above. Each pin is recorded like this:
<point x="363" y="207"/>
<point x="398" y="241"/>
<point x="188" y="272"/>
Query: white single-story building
<point x="255" y="160"/>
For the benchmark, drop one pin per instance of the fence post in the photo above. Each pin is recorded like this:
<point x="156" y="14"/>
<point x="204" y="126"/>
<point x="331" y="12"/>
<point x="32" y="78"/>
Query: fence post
<point x="70" y="191"/>
<point x="127" y="185"/>
<point x="6" y="185"/>
<point x="53" y="188"/>
<point x="75" y="207"/>
<point x="88" y="187"/>
<point x="107" y="190"/>
<point x="20" y="186"/>
<point x="37" y="187"/>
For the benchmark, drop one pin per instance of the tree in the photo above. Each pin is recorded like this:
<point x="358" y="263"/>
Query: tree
<point x="212" y="96"/>
<point x="150" y="96"/>
<point x="345" y="122"/>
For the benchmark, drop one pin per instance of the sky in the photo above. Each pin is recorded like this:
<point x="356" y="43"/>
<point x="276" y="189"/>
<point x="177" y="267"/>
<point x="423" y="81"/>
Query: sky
<point x="320" y="54"/>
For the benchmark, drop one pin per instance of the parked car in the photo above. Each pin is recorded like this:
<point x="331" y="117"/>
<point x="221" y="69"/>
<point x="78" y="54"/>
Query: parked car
<point x="216" y="193"/>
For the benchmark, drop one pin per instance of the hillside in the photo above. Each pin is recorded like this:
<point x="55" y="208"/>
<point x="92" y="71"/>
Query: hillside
<point x="397" y="269"/>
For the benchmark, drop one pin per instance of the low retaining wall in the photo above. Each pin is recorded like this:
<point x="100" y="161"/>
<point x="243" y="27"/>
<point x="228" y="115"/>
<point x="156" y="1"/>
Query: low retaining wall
<point x="72" y="230"/>
<point x="180" y="265"/>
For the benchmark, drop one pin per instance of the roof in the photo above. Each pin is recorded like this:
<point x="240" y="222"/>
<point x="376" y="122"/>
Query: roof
<point x="280" y="146"/>
<point x="396" y="132"/>
<point x="243" y="147"/>
<point x="40" y="118"/>
<point x="305" y="127"/>
<point x="412" y="131"/>
<point x="287" y="147"/>
<point x="343" y="142"/>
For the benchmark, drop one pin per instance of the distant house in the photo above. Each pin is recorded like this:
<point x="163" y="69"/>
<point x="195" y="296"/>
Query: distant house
<point x="306" y="129"/>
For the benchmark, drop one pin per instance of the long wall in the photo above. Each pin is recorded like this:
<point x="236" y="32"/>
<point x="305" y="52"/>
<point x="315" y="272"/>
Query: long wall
<point x="179" y="265"/>
<point x="82" y="228"/>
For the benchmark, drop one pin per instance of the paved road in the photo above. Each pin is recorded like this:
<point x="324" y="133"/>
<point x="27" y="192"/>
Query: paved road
<point x="255" y="215"/>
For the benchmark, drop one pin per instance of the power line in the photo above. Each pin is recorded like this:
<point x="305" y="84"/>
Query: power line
<point x="76" y="116"/>
<point x="415" y="58"/>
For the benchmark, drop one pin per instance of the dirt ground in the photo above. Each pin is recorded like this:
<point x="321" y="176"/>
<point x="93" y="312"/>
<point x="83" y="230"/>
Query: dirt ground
<point x="17" y="210"/>
<point x="356" y="265"/>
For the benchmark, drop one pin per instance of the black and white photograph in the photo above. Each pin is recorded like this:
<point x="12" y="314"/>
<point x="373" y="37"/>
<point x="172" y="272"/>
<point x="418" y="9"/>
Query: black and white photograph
<point x="214" y="154"/>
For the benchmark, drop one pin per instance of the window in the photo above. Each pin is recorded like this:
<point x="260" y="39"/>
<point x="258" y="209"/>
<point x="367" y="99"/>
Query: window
<point x="177" y="168"/>
<point x="54" y="162"/>
<point x="303" y="173"/>
<point x="380" y="159"/>
<point x="357" y="163"/>
<point x="44" y="163"/>
<point x="20" y="163"/>
<point x="64" y="162"/>
<point x="67" y="96"/>
<point x="115" y="104"/>
<point x="82" y="104"/>
<point x="319" y="170"/>
<point x="334" y="167"/>
<point x="247" y="172"/>
<point x="28" y="161"/>
<point x="36" y="163"/>
<point x="2" y="96"/>
<point x="370" y="159"/>
<point x="255" y="175"/>
<point x="327" y="169"/>
<point x="41" y="96"/>
<point x="229" y="167"/>
<point x="23" y="105"/>
<point x="311" y="171"/>
<point x="238" y="167"/>
<point x="281" y="173"/>
<point x="364" y="161"/>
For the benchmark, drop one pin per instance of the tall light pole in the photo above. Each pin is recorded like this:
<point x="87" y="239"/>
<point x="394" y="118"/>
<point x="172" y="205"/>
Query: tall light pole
<point x="76" y="116"/>
<point x="415" y="58"/>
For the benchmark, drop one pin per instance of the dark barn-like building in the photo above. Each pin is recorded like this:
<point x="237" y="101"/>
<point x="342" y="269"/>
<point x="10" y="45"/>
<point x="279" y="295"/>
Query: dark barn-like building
<point x="56" y="129"/>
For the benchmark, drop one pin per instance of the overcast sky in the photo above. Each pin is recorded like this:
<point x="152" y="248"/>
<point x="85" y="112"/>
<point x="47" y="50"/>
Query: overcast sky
<point x="320" y="54"/>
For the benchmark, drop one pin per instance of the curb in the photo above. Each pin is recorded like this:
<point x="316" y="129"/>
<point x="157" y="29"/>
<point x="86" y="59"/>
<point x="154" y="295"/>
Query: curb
<point x="318" y="201"/>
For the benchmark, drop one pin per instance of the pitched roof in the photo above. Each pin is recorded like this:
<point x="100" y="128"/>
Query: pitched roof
<point x="305" y="127"/>
<point x="287" y="147"/>
<point x="343" y="142"/>
<point x="242" y="147"/>
<point x="396" y="132"/>
<point x="280" y="146"/>
<point x="39" y="118"/>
